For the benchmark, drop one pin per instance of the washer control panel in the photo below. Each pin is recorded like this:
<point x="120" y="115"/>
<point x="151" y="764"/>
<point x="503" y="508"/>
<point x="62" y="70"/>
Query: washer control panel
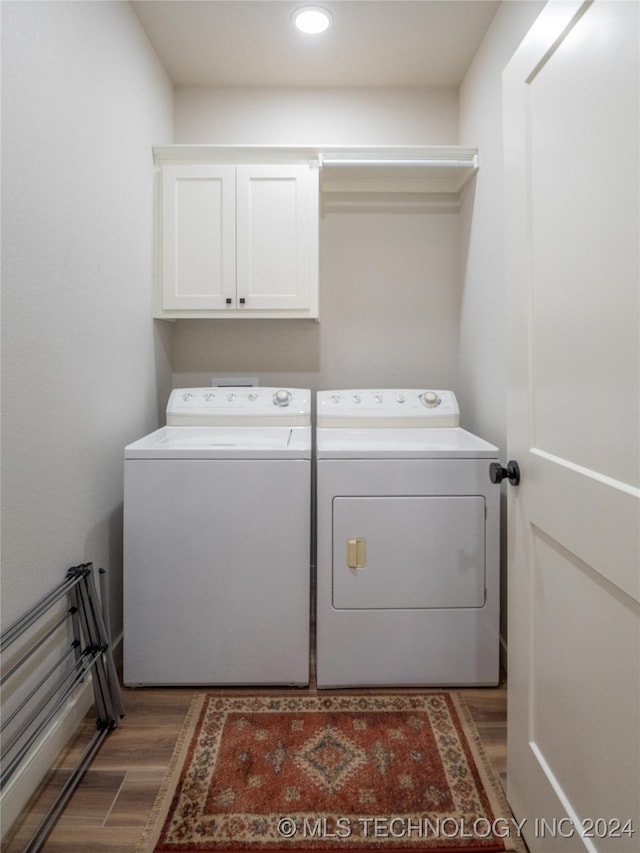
<point x="388" y="407"/>
<point x="232" y="406"/>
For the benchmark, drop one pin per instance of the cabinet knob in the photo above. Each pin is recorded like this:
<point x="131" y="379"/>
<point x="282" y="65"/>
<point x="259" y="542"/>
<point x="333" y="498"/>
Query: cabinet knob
<point x="228" y="301"/>
<point x="242" y="300"/>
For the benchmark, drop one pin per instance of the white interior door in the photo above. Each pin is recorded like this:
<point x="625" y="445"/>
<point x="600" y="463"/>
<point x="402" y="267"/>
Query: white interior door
<point x="571" y="100"/>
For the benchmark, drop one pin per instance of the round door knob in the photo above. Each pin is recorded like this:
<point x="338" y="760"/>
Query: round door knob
<point x="282" y="398"/>
<point x="512" y="472"/>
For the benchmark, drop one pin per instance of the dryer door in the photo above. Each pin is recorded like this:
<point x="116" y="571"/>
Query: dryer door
<point x="412" y="552"/>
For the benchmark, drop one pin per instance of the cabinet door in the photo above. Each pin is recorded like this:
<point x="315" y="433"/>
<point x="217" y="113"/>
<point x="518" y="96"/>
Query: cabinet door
<point x="277" y="221"/>
<point x="198" y="237"/>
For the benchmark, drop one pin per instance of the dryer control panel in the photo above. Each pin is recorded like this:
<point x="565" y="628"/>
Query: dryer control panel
<point x="387" y="407"/>
<point x="232" y="406"/>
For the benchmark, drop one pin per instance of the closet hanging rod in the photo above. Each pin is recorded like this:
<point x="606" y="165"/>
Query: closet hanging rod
<point x="340" y="161"/>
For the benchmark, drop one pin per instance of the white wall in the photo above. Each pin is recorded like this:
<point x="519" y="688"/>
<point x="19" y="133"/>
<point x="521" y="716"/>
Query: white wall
<point x="316" y="116"/>
<point x="482" y="358"/>
<point x="388" y="278"/>
<point x="83" y="99"/>
<point x="482" y="317"/>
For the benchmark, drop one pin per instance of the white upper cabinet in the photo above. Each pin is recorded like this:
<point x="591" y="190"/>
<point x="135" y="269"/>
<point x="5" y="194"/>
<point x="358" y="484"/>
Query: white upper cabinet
<point x="277" y="238"/>
<point x="237" y="227"/>
<point x="197" y="238"/>
<point x="237" y="240"/>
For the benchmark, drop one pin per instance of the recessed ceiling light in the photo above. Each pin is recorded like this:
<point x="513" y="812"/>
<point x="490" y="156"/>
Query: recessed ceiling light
<point x="312" y="19"/>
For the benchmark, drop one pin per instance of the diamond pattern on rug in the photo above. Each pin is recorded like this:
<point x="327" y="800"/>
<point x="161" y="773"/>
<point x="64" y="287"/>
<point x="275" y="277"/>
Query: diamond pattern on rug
<point x="329" y="758"/>
<point x="331" y="763"/>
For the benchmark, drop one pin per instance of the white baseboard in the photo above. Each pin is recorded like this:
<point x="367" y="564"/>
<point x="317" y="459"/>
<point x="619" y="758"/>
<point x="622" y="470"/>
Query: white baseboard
<point x="43" y="754"/>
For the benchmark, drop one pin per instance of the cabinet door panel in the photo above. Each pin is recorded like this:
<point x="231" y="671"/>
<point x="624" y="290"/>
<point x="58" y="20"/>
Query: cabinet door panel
<point x="198" y="223"/>
<point x="275" y="209"/>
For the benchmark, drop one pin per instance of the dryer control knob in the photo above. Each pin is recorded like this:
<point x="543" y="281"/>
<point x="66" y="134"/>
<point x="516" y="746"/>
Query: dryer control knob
<point x="282" y="398"/>
<point x="431" y="399"/>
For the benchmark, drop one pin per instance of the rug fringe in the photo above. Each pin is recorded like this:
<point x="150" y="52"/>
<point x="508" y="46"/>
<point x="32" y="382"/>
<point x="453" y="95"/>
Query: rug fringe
<point x="490" y="778"/>
<point x="153" y="826"/>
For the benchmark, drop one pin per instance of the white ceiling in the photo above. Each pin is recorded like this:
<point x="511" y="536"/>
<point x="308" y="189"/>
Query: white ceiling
<point x="372" y="43"/>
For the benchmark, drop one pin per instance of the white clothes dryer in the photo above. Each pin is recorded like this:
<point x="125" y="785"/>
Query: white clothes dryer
<point x="217" y="514"/>
<point x="407" y="543"/>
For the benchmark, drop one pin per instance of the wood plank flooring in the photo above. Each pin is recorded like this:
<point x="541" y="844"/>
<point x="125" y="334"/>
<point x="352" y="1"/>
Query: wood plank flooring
<point x="109" y="809"/>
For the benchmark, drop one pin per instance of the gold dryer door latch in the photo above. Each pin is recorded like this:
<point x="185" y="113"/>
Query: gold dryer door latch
<point x="356" y="553"/>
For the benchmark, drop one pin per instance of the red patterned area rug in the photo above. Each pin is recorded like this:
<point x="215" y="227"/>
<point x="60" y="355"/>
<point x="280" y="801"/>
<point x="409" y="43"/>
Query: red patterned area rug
<point x="330" y="773"/>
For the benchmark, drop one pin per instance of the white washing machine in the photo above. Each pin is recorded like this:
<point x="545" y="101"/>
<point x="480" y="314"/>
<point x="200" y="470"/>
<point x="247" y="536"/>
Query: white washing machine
<point x="217" y="513"/>
<point x="407" y="543"/>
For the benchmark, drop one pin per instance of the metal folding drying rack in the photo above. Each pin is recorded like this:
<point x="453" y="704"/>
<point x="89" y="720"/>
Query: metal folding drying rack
<point x="89" y="652"/>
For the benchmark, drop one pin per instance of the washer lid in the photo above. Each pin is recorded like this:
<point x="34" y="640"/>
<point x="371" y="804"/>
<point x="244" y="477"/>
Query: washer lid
<point x="193" y="442"/>
<point x="239" y="406"/>
<point x="402" y="443"/>
<point x="387" y="407"/>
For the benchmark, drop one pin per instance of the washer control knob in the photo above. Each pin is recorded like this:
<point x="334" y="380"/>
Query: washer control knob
<point x="282" y="398"/>
<point x="187" y="397"/>
<point x="401" y="398"/>
<point x="209" y="397"/>
<point x="253" y="396"/>
<point x="379" y="398"/>
<point x="335" y="398"/>
<point x="431" y="399"/>
<point x="357" y="398"/>
<point x="231" y="397"/>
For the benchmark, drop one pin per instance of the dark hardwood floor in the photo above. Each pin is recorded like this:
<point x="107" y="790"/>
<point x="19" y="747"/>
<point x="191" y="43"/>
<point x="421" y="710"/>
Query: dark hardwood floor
<point x="109" y="809"/>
